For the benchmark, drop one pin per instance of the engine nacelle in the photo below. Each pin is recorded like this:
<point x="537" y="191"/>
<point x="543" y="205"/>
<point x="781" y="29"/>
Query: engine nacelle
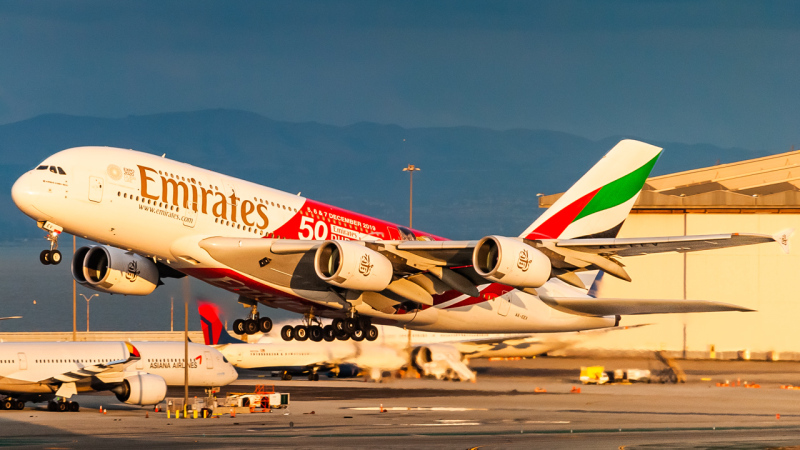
<point x="114" y="271"/>
<point x="423" y="355"/>
<point x="511" y="262"/>
<point x="352" y="266"/>
<point x="346" y="371"/>
<point x="141" y="388"/>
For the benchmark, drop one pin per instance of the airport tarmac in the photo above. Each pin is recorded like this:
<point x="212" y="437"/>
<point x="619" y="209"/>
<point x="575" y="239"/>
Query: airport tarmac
<point x="501" y="410"/>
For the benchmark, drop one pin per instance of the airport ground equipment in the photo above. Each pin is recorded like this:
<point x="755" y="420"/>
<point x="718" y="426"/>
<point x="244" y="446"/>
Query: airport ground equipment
<point x="594" y="375"/>
<point x="263" y="399"/>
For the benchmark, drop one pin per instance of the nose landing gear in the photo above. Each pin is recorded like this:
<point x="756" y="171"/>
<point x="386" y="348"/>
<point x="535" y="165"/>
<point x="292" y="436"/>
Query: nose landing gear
<point x="52" y="256"/>
<point x="253" y="324"/>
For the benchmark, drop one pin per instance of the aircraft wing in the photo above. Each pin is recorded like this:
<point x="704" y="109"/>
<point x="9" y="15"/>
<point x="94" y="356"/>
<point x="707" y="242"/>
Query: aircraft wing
<point x="589" y="306"/>
<point x="77" y="374"/>
<point x="680" y="244"/>
<point x="421" y="269"/>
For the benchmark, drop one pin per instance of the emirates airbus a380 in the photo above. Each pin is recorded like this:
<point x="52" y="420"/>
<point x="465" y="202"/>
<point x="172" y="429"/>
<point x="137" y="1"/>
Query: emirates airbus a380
<point x="154" y="218"/>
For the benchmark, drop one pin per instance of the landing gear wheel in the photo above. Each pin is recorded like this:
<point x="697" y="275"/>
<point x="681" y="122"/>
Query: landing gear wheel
<point x="358" y="335"/>
<point x="44" y="257"/>
<point x="74" y="406"/>
<point x="6" y="404"/>
<point x="350" y="325"/>
<point x="55" y="257"/>
<point x="328" y="333"/>
<point x="62" y="406"/>
<point x="341" y="335"/>
<point x="19" y="405"/>
<point x="52" y="406"/>
<point x="338" y="325"/>
<point x="250" y="326"/>
<point x="287" y="333"/>
<point x="238" y="326"/>
<point x="286" y="376"/>
<point x="313" y="377"/>
<point x="265" y="324"/>
<point x="315" y="333"/>
<point x="301" y="332"/>
<point x="364" y="323"/>
<point x="371" y="333"/>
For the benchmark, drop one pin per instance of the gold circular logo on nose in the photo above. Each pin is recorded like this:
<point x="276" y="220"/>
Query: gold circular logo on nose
<point x="114" y="172"/>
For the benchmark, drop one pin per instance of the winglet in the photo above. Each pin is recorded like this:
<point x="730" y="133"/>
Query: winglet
<point x="782" y="238"/>
<point x="213" y="331"/>
<point x="134" y="352"/>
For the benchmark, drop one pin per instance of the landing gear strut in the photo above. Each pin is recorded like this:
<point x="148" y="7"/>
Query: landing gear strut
<point x="253" y="324"/>
<point x="52" y="256"/>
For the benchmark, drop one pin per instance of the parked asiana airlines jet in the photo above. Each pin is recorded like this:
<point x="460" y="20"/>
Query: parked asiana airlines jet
<point x="155" y="218"/>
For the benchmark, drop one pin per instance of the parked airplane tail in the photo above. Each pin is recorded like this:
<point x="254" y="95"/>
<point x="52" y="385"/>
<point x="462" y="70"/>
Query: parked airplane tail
<point x="597" y="205"/>
<point x="213" y="330"/>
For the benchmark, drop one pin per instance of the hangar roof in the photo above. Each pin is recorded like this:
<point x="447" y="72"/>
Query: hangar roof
<point x="765" y="185"/>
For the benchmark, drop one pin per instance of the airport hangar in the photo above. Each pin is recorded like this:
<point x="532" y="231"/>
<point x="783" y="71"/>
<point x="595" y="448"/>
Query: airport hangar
<point x="754" y="196"/>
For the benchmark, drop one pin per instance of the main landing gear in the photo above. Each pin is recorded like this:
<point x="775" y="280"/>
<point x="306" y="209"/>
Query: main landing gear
<point x="355" y="328"/>
<point x="12" y="403"/>
<point x="253" y="324"/>
<point x="52" y="256"/>
<point x="63" y="405"/>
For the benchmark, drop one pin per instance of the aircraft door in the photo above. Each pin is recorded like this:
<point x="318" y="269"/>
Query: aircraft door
<point x="503" y="306"/>
<point x="209" y="360"/>
<point x="95" y="189"/>
<point x="23" y="361"/>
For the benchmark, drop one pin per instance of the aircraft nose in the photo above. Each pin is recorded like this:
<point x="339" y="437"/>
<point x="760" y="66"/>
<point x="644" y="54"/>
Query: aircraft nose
<point x="232" y="374"/>
<point x="24" y="195"/>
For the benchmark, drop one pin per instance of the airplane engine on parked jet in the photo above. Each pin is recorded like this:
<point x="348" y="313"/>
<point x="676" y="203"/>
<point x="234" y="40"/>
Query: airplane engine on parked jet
<point x="141" y="388"/>
<point x="114" y="271"/>
<point x="352" y="266"/>
<point x="511" y="262"/>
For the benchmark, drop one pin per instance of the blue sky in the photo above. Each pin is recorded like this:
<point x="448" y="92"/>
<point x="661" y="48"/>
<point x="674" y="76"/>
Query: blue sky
<point x="721" y="72"/>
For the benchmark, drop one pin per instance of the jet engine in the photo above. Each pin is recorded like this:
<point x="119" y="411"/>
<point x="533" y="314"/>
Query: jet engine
<point x="511" y="262"/>
<point x="345" y="371"/>
<point x="352" y="266"/>
<point x="114" y="271"/>
<point x="141" y="388"/>
<point x="420" y="356"/>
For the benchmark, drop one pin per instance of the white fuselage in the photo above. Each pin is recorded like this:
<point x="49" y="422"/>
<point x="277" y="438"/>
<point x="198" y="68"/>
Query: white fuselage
<point x="295" y="356"/>
<point x="23" y="365"/>
<point x="162" y="209"/>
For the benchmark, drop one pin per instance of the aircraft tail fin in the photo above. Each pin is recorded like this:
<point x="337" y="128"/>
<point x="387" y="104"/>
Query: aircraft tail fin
<point x="214" y="332"/>
<point x="597" y="205"/>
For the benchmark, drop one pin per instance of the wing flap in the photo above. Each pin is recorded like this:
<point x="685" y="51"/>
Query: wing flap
<point x="632" y="306"/>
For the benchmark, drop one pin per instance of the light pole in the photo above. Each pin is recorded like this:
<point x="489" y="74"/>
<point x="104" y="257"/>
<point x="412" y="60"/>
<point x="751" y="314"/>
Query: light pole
<point x="411" y="169"/>
<point x="87" y="308"/>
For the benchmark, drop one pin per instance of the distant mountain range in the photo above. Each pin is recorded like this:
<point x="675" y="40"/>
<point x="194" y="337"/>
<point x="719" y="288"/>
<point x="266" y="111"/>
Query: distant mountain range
<point x="473" y="182"/>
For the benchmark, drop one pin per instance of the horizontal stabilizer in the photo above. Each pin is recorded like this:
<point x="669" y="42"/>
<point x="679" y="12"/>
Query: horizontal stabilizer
<point x="630" y="306"/>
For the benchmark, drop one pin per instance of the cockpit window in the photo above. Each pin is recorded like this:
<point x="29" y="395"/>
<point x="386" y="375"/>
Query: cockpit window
<point x="53" y="169"/>
<point x="225" y="359"/>
<point x="41" y="168"/>
<point x="61" y="171"/>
